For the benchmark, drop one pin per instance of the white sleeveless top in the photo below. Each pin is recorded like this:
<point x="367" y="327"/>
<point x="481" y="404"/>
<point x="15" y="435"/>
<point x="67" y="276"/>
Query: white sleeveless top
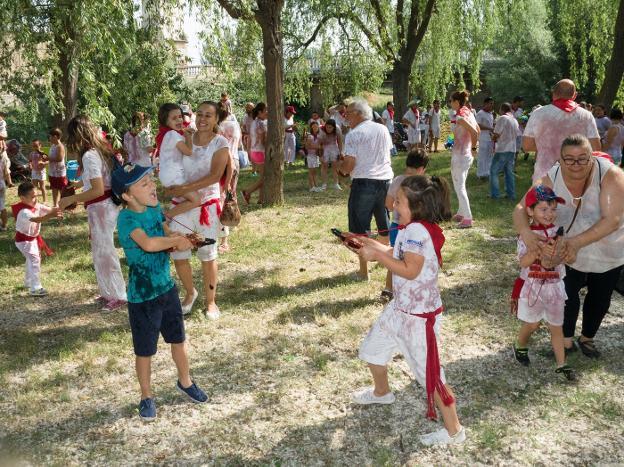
<point x="615" y="150"/>
<point x="604" y="254"/>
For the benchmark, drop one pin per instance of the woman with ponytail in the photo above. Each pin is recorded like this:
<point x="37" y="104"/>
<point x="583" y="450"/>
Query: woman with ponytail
<point x="96" y="161"/>
<point x="466" y="137"/>
<point x="258" y="135"/>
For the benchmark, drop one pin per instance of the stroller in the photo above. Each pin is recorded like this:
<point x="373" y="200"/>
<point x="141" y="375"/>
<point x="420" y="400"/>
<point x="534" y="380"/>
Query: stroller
<point x="399" y="137"/>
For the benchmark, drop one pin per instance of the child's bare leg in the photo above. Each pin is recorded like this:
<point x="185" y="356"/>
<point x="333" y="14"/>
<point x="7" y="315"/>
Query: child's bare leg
<point x="41" y="185"/>
<point x="193" y="200"/>
<point x="335" y="172"/>
<point x="56" y="196"/>
<point x="556" y="337"/>
<point x="210" y="270"/>
<point x="380" y="379"/>
<point x="4" y="217"/>
<point x="180" y="357"/>
<point x="363" y="272"/>
<point x="324" y="175"/>
<point x="388" y="280"/>
<point x="526" y="331"/>
<point x="185" y="273"/>
<point x="448" y="412"/>
<point x="144" y="374"/>
<point x="310" y="181"/>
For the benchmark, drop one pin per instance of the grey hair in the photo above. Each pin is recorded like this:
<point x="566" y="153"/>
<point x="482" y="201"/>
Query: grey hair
<point x="362" y="107"/>
<point x="577" y="140"/>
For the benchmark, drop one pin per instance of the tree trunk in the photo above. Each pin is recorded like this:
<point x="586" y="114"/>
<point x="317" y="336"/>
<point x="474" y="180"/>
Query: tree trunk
<point x="400" y="88"/>
<point x="69" y="88"/>
<point x="615" y="67"/>
<point x="269" y="18"/>
<point x="65" y="39"/>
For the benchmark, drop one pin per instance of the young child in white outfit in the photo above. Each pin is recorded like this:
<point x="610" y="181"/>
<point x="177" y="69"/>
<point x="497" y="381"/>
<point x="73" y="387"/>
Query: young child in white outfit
<point x="313" y="147"/>
<point x="29" y="214"/>
<point x="410" y="323"/>
<point x="172" y="144"/>
<point x="542" y="294"/>
<point x="38" y="163"/>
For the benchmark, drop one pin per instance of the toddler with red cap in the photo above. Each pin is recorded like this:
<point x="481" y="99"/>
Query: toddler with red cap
<point x="539" y="293"/>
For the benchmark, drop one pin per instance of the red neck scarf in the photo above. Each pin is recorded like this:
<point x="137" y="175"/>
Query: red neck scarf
<point x="162" y="131"/>
<point x="20" y="237"/>
<point x="567" y="105"/>
<point x="391" y="113"/>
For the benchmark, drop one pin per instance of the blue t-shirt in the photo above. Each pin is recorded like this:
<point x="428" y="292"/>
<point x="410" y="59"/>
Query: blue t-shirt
<point x="149" y="272"/>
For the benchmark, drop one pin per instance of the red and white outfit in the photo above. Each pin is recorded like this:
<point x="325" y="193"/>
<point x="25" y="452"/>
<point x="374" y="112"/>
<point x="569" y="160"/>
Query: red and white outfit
<point x="413" y="129"/>
<point x="541" y="299"/>
<point x="102" y="216"/>
<point x="256" y="132"/>
<point x="204" y="219"/>
<point x="29" y="242"/>
<point x="138" y="147"/>
<point x="56" y="169"/>
<point x="290" y="142"/>
<point x="550" y="125"/>
<point x="410" y="323"/>
<point x="312" y="158"/>
<point x="461" y="160"/>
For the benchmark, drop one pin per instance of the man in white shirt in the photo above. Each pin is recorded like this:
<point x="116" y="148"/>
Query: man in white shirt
<point x="367" y="159"/>
<point x="411" y="120"/>
<point x="549" y="125"/>
<point x="504" y="134"/>
<point x="485" y="120"/>
<point x="434" y="126"/>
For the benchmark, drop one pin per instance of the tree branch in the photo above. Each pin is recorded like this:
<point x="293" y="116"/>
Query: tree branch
<point x="369" y="35"/>
<point x="235" y="9"/>
<point x="416" y="31"/>
<point x="381" y="26"/>
<point x="399" y="23"/>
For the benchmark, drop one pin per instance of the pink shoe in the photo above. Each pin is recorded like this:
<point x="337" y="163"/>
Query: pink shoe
<point x="113" y="305"/>
<point x="457" y="218"/>
<point x="465" y="224"/>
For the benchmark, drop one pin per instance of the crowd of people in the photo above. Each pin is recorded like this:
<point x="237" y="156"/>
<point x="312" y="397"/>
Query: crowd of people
<point x="570" y="223"/>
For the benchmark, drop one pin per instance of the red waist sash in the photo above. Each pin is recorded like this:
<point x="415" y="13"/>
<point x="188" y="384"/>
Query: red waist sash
<point x="433" y="379"/>
<point x="21" y="237"/>
<point x="107" y="194"/>
<point x="204" y="215"/>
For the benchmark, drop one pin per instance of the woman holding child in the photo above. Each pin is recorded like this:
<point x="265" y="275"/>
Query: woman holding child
<point x="203" y="170"/>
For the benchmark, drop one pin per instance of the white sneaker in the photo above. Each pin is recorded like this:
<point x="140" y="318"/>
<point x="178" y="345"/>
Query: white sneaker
<point x="186" y="309"/>
<point x="213" y="315"/>
<point x="323" y="187"/>
<point x="40" y="292"/>
<point x="313" y="189"/>
<point x="442" y="438"/>
<point x="367" y="397"/>
<point x="338" y="187"/>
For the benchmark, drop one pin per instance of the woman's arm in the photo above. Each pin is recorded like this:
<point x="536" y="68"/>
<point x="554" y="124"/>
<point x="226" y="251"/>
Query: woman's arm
<point x="609" y="137"/>
<point x="217" y="168"/>
<point x="96" y="190"/>
<point x="54" y="213"/>
<point x="474" y="131"/>
<point x="528" y="259"/>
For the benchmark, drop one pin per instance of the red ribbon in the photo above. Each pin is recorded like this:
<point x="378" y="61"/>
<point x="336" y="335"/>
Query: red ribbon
<point x="107" y="194"/>
<point x="433" y="381"/>
<point x="162" y="131"/>
<point x="204" y="215"/>
<point x="21" y="237"/>
<point x="567" y="105"/>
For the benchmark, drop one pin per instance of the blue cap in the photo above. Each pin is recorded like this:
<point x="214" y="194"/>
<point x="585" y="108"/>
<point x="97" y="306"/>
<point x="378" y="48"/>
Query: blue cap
<point x="127" y="175"/>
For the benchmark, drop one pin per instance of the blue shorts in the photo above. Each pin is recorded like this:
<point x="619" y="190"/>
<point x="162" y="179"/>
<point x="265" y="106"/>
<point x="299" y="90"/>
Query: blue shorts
<point x="367" y="199"/>
<point x="161" y="315"/>
<point x="393" y="233"/>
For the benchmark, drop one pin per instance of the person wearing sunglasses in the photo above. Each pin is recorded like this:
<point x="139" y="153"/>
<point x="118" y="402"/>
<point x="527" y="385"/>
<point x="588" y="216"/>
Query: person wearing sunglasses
<point x="593" y="243"/>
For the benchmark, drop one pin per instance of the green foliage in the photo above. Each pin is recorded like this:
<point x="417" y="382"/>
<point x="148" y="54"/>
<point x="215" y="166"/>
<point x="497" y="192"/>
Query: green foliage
<point x="29" y="120"/>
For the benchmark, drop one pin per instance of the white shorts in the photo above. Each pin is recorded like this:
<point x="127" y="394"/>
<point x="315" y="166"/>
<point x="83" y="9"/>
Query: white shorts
<point x="38" y="175"/>
<point x="188" y="222"/>
<point x="313" y="161"/>
<point x="394" y="332"/>
<point x="552" y="313"/>
<point x="172" y="174"/>
<point x="435" y="131"/>
<point x="331" y="154"/>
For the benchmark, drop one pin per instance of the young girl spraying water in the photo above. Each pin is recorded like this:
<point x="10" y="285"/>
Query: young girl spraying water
<point x="542" y="293"/>
<point x="95" y="157"/>
<point x="313" y="147"/>
<point x="410" y="323"/>
<point x="172" y="144"/>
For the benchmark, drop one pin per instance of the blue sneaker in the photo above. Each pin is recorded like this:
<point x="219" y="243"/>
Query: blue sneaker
<point x="193" y="392"/>
<point x="147" y="410"/>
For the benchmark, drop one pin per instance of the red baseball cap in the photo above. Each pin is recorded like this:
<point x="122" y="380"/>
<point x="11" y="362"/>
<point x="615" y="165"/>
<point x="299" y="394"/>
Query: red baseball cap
<point x="541" y="193"/>
<point x="291" y="109"/>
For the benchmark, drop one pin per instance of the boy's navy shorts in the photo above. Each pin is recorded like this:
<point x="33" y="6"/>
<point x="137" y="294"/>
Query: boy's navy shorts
<point x="161" y="315"/>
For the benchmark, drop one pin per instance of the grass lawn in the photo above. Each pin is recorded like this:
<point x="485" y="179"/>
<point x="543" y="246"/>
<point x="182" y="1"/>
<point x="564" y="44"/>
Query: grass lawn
<point x="282" y="361"/>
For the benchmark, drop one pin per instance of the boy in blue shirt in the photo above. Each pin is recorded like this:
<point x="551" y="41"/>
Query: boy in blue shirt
<point x="153" y="303"/>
